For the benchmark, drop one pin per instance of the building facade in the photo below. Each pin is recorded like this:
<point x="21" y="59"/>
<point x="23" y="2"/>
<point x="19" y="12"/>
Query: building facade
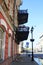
<point x="8" y="23"/>
<point x="39" y="46"/>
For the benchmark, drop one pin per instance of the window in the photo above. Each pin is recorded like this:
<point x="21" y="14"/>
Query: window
<point x="1" y="40"/>
<point x="9" y="46"/>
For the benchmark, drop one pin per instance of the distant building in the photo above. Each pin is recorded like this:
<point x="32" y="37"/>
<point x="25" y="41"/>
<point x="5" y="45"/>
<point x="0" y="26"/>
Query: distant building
<point x="39" y="46"/>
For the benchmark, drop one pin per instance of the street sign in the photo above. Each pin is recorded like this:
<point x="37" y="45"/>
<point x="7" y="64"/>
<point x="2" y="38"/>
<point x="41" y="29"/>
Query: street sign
<point x="27" y="43"/>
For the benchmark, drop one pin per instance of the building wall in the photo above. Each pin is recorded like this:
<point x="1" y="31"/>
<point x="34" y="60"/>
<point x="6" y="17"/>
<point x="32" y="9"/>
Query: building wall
<point x="9" y="46"/>
<point x="39" y="46"/>
<point x="7" y="28"/>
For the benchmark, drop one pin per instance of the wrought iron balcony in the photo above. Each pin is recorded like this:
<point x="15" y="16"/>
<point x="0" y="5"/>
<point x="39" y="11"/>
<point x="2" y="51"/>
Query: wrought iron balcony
<point x="22" y="33"/>
<point x="22" y="16"/>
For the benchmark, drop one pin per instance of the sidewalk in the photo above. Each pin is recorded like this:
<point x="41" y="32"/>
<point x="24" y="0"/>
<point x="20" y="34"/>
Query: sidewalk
<point x="23" y="60"/>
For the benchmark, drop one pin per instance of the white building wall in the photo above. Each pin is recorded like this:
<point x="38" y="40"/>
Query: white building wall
<point x="39" y="46"/>
<point x="3" y="45"/>
<point x="9" y="46"/>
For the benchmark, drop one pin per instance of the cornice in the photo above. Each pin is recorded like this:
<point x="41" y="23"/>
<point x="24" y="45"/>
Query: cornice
<point x="6" y="17"/>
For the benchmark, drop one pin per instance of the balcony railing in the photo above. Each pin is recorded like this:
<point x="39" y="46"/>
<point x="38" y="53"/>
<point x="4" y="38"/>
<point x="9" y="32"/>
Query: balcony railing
<point x="23" y="28"/>
<point x="22" y="16"/>
<point x="22" y="33"/>
<point x="22" y="11"/>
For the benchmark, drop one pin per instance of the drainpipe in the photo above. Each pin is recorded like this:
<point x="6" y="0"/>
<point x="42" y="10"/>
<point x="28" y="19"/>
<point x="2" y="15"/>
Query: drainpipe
<point x="14" y="28"/>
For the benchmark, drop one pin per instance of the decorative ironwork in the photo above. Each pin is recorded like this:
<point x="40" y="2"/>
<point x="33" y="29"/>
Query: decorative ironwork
<point x="22" y="33"/>
<point x="22" y="16"/>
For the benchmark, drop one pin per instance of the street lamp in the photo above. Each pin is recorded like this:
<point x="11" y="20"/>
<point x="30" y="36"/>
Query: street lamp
<point x="32" y="40"/>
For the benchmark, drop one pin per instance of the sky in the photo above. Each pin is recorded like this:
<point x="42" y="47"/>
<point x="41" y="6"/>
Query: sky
<point x="35" y="18"/>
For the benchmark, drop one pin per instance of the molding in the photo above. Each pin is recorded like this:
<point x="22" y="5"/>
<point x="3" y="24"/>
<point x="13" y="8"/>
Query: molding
<point x="10" y="32"/>
<point x="6" y="17"/>
<point x="3" y="23"/>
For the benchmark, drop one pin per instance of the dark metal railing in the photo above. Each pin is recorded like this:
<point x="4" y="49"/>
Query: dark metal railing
<point x="23" y="28"/>
<point x="22" y="11"/>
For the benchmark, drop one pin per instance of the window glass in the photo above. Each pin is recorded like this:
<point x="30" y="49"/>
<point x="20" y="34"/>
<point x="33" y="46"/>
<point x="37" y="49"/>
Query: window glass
<point x="1" y="38"/>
